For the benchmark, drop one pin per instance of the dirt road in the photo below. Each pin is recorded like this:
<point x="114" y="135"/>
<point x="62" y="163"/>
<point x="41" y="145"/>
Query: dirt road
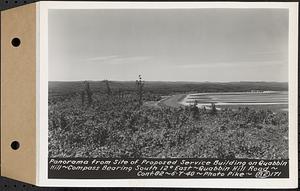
<point x="167" y="101"/>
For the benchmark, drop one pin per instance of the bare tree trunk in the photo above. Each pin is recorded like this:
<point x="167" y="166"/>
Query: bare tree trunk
<point x="89" y="93"/>
<point x="82" y="97"/>
<point x="140" y="91"/>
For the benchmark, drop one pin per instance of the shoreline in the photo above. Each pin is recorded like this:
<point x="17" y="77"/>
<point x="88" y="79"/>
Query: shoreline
<point x="181" y="100"/>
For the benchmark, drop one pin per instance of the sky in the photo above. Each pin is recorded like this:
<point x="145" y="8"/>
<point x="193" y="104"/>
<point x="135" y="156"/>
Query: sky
<point x="217" y="45"/>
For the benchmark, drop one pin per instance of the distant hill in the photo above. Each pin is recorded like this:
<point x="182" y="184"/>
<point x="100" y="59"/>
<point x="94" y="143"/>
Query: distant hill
<point x="160" y="87"/>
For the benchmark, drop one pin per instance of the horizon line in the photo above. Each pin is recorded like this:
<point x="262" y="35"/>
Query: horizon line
<point x="166" y="81"/>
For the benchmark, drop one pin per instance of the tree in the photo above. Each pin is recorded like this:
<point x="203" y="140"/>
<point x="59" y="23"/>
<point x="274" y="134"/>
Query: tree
<point x="108" y="89"/>
<point x="89" y="93"/>
<point x="140" y="89"/>
<point x="213" y="109"/>
<point x="195" y="110"/>
<point x="120" y="93"/>
<point x="204" y="109"/>
<point x="82" y="97"/>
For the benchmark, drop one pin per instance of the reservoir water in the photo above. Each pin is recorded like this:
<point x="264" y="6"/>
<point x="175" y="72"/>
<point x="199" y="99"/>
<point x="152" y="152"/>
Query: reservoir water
<point x="277" y="100"/>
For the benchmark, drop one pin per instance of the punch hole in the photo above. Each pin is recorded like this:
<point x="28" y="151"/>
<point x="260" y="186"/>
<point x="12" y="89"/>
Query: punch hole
<point x="15" y="145"/>
<point x="16" y="42"/>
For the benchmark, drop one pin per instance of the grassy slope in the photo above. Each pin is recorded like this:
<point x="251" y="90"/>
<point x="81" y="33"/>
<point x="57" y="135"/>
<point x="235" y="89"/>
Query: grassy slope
<point x="116" y="127"/>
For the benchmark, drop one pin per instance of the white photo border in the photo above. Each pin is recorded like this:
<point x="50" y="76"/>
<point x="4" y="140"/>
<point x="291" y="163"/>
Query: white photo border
<point x="42" y="99"/>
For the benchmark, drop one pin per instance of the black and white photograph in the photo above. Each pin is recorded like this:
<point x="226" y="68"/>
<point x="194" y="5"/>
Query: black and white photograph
<point x="168" y="83"/>
<point x="173" y="94"/>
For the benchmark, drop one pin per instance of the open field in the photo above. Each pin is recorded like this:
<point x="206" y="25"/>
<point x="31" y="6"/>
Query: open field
<point x="111" y="122"/>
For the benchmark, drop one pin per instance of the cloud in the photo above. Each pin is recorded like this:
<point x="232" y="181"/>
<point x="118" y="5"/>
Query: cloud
<point x="101" y="58"/>
<point x="118" y="59"/>
<point x="128" y="60"/>
<point x="234" y="64"/>
<point x="269" y="53"/>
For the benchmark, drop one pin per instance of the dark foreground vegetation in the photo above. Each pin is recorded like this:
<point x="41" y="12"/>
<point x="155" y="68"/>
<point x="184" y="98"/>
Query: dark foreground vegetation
<point x="106" y="119"/>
